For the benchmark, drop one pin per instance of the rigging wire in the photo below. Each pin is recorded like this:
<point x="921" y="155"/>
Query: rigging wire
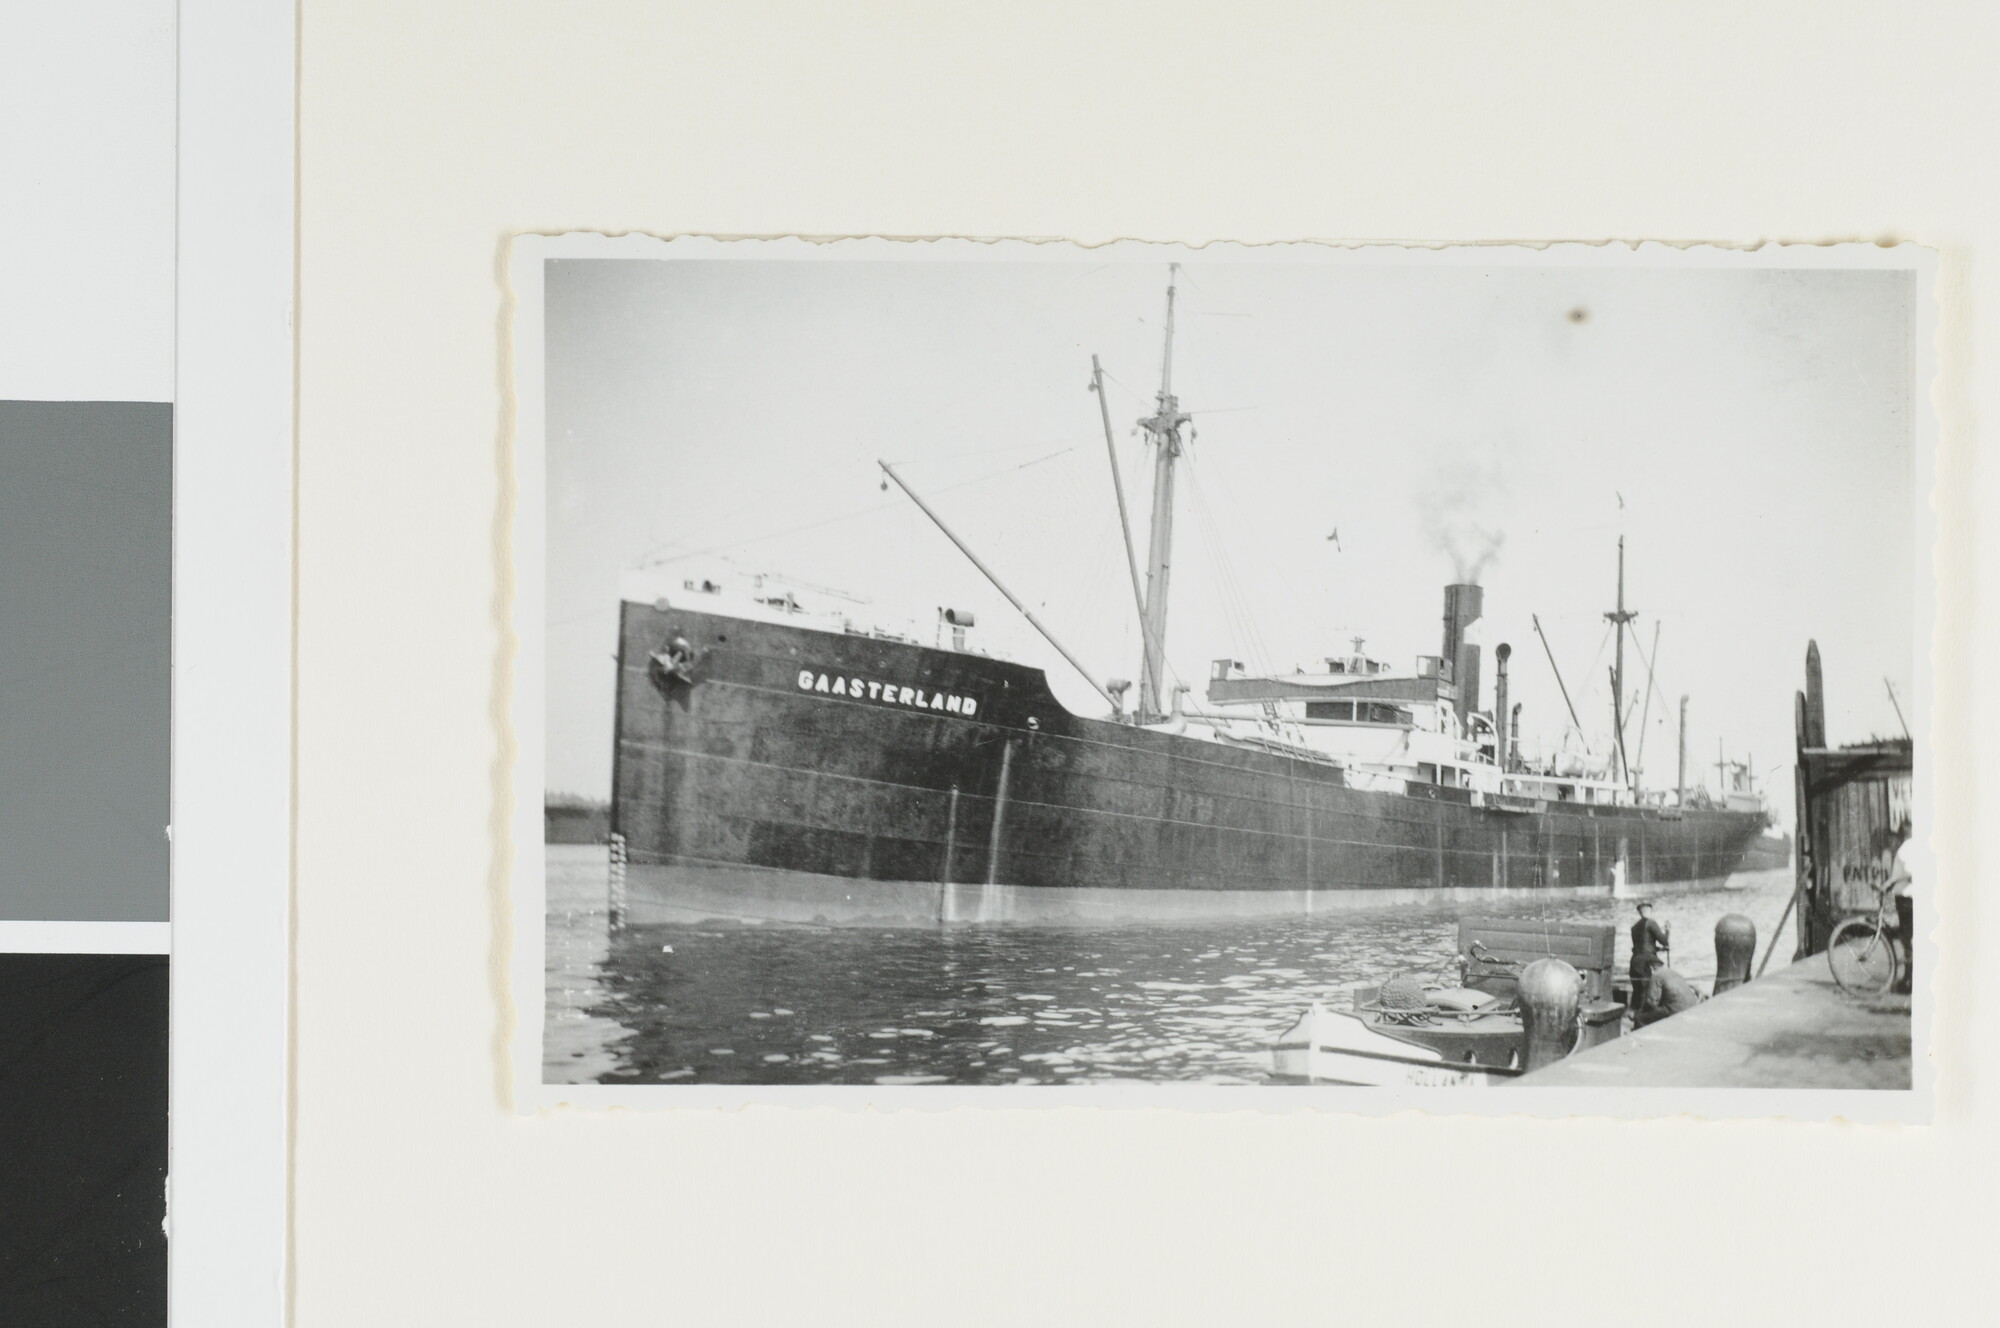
<point x="1140" y="399"/>
<point x="1241" y="630"/>
<point x="1595" y="660"/>
<point x="1586" y="695"/>
<point x="1235" y="598"/>
<point x="1654" y="678"/>
<point x="1253" y="531"/>
<point x="666" y="560"/>
<point x="1101" y="594"/>
<point x="1236" y="602"/>
<point x="947" y="410"/>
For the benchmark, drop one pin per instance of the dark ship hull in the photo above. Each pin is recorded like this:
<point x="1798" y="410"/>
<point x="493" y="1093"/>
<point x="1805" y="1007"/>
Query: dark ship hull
<point x="1767" y="852"/>
<point x="802" y="775"/>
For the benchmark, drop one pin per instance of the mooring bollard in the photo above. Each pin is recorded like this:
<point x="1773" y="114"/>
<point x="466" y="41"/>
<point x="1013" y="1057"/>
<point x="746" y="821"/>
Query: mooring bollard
<point x="1735" y="947"/>
<point x="1550" y="996"/>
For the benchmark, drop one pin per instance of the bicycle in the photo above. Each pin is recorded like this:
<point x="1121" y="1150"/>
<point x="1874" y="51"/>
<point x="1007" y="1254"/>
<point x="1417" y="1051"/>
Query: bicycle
<point x="1863" y="951"/>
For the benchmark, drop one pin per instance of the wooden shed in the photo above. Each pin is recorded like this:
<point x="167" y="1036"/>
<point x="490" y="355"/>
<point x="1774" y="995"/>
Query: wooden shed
<point x="1853" y="812"/>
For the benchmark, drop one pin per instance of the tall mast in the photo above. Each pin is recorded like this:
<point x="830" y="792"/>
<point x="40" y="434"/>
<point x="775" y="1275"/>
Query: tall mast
<point x="1118" y="487"/>
<point x="1163" y="429"/>
<point x="1681" y="780"/>
<point x="1618" y="618"/>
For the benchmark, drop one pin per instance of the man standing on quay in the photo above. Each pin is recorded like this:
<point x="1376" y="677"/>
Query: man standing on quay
<point x="1649" y="941"/>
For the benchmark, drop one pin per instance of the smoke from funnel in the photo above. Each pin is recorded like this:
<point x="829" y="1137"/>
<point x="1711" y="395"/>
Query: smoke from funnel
<point x="1472" y="550"/>
<point x="1455" y="505"/>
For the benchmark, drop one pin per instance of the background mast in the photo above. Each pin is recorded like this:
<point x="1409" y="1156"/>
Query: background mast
<point x="1618" y="618"/>
<point x="1163" y="429"/>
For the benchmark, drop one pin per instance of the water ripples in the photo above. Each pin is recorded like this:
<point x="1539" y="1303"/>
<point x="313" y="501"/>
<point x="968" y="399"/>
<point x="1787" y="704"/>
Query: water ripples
<point x="998" y="1006"/>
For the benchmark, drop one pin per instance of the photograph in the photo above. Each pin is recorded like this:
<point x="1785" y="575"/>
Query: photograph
<point x="646" y="645"/>
<point x="1035" y="666"/>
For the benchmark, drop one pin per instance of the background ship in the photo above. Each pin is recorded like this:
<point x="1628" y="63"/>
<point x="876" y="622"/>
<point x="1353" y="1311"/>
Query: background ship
<point x="774" y="763"/>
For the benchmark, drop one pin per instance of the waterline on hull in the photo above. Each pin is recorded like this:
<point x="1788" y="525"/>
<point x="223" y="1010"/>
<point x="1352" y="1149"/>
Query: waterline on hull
<point x="687" y="893"/>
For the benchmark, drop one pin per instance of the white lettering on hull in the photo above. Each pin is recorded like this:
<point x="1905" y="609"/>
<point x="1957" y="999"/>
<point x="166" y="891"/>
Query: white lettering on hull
<point x="916" y="698"/>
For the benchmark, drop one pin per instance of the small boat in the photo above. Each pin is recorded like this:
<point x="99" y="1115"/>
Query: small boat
<point x="1467" y="1034"/>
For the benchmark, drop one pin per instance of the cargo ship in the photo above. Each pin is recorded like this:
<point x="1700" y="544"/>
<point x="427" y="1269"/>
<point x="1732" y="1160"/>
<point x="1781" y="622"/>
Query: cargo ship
<point x="1768" y="852"/>
<point x="779" y="761"/>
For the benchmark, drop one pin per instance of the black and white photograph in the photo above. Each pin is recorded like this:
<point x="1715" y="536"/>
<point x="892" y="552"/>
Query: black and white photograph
<point x="1029" y="667"/>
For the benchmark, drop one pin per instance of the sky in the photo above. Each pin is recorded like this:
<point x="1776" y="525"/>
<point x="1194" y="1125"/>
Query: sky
<point x="1748" y="431"/>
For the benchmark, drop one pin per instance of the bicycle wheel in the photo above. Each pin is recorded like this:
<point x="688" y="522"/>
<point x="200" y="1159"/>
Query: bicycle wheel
<point x="1861" y="957"/>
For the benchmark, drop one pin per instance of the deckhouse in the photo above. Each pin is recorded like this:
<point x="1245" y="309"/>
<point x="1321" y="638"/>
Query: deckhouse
<point x="1422" y="726"/>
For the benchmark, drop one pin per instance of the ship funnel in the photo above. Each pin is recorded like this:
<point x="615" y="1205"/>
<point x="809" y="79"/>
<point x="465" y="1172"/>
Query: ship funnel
<point x="1463" y="604"/>
<point x="1500" y="655"/>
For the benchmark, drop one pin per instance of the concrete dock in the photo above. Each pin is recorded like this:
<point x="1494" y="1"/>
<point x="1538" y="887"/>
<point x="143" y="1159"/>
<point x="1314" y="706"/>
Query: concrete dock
<point x="1790" y="1029"/>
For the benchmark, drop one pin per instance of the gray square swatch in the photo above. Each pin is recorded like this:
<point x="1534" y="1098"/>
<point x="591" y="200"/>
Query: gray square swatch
<point x="85" y="600"/>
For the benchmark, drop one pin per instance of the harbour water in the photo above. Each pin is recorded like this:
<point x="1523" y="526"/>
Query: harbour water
<point x="714" y="1004"/>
